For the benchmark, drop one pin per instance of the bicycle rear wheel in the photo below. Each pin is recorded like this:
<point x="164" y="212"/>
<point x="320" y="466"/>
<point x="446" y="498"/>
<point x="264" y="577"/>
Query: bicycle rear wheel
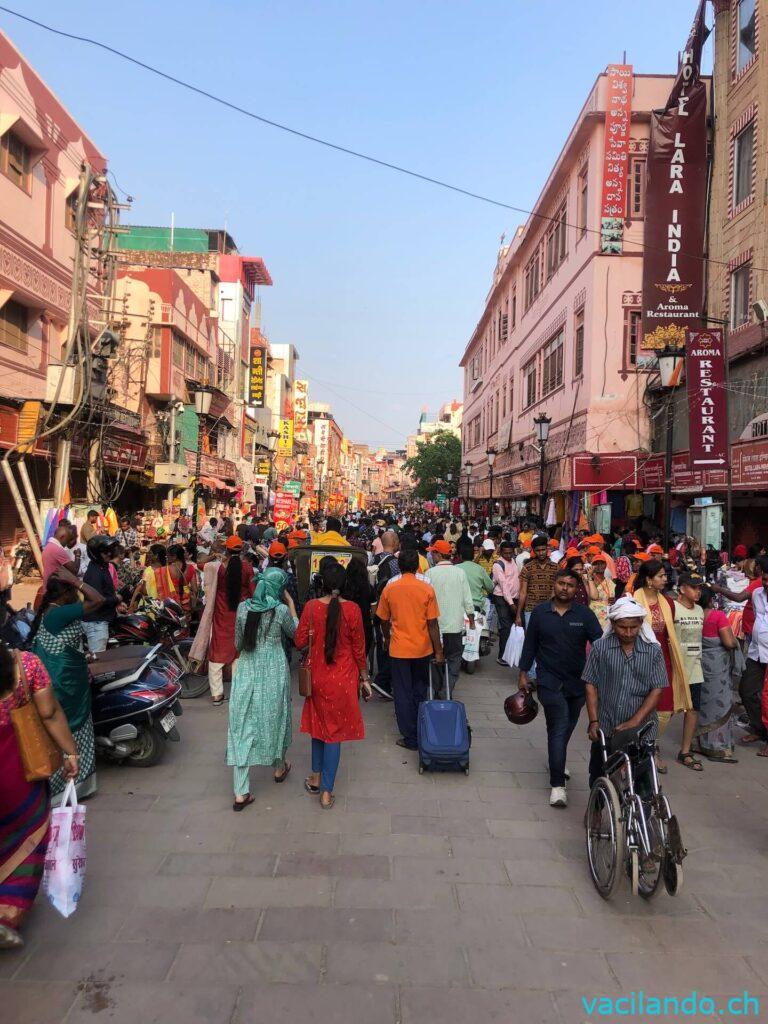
<point x="606" y="838"/>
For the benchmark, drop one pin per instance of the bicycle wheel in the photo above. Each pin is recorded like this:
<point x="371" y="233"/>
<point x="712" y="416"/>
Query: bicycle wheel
<point x="606" y="838"/>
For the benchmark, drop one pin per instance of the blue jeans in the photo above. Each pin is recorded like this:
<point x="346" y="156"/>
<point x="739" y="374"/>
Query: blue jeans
<point x="97" y="635"/>
<point x="561" y="713"/>
<point x="325" y="760"/>
<point x="410" y="686"/>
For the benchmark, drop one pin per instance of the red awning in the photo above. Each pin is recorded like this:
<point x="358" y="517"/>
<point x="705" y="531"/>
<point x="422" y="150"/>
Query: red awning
<point x="213" y="483"/>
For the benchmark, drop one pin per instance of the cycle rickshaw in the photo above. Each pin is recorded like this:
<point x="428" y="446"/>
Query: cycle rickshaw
<point x="632" y="834"/>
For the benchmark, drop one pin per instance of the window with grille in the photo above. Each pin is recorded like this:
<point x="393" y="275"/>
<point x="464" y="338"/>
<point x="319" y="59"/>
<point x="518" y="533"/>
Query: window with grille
<point x="556" y="241"/>
<point x="635" y="332"/>
<point x="740" y="281"/>
<point x="578" y="343"/>
<point x="636" y="191"/>
<point x="503" y="326"/>
<point x="514" y="307"/>
<point x="189" y="360"/>
<point x="583" y="192"/>
<point x="529" y="377"/>
<point x="745" y="42"/>
<point x="504" y="399"/>
<point x="552" y="364"/>
<point x="475" y="368"/>
<point x="14" y="324"/>
<point x="178" y="351"/>
<point x="14" y="160"/>
<point x="532" y="279"/>
<point x="70" y="211"/>
<point x="743" y="156"/>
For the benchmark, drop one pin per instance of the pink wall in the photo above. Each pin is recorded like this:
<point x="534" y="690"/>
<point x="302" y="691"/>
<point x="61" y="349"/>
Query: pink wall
<point x="600" y="409"/>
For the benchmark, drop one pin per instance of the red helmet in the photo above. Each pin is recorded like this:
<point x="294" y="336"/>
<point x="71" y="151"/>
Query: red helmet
<point x="521" y="708"/>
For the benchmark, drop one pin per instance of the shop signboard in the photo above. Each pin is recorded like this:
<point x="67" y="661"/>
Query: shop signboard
<point x="707" y="409"/>
<point x="284" y="510"/>
<point x="604" y="472"/>
<point x="285" y="437"/>
<point x="675" y="203"/>
<point x="618" y="114"/>
<point x="257" y="377"/>
<point x="300" y="409"/>
<point x="292" y="487"/>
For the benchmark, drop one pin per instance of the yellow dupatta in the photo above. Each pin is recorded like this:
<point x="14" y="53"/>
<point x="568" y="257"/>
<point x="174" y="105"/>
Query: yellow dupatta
<point x="681" y="693"/>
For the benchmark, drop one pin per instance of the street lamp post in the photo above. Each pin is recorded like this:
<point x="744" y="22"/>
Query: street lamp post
<point x="272" y="436"/>
<point x="202" y="407"/>
<point x="491" y="456"/>
<point x="670" y="367"/>
<point x="468" y="468"/>
<point x="542" y="423"/>
<point x="320" y="465"/>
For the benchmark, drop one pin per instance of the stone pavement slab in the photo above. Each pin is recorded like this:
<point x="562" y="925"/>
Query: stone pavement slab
<point x="417" y="900"/>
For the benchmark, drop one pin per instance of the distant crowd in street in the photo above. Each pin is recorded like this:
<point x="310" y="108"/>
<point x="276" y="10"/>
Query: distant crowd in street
<point x="390" y="603"/>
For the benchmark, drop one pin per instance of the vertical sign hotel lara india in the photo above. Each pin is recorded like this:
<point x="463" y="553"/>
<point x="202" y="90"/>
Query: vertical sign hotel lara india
<point x="675" y="204"/>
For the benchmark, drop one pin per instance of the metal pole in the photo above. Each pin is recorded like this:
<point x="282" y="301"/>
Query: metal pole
<point x="196" y="495"/>
<point x="668" y="469"/>
<point x="543" y="498"/>
<point x="34" y="508"/>
<point x="23" y="515"/>
<point x="728" y="469"/>
<point x="490" y="496"/>
<point x="62" y="471"/>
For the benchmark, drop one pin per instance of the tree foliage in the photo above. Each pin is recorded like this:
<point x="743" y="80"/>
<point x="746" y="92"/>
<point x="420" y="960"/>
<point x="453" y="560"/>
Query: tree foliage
<point x="436" y="456"/>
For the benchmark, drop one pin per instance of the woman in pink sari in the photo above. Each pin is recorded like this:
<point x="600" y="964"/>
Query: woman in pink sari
<point x="25" y="806"/>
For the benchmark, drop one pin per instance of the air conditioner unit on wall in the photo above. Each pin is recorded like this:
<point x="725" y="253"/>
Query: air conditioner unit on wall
<point x="171" y="474"/>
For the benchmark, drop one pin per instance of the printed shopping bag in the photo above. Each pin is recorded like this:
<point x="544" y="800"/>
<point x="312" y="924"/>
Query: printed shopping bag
<point x="514" y="647"/>
<point x="65" y="859"/>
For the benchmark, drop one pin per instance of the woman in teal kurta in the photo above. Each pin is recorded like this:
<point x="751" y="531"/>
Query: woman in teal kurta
<point x="260" y="701"/>
<point x="58" y="643"/>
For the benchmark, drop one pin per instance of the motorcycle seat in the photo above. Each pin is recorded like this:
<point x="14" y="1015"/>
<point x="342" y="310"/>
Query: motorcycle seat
<point x="119" y="661"/>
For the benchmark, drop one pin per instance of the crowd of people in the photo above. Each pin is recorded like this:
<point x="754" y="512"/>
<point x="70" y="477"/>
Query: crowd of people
<point x="616" y="622"/>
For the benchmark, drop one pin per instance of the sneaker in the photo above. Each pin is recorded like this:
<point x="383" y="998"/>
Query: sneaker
<point x="558" y="797"/>
<point x="381" y="691"/>
<point x="500" y="661"/>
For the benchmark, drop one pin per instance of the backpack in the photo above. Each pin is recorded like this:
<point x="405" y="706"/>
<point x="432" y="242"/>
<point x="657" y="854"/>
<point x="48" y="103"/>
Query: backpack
<point x="377" y="584"/>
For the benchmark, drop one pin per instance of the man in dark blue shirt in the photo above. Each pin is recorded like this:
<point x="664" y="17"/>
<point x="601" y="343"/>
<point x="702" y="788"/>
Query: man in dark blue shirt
<point x="556" y="639"/>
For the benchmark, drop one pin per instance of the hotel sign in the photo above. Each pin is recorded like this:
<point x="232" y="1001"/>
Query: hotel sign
<point x="675" y="204"/>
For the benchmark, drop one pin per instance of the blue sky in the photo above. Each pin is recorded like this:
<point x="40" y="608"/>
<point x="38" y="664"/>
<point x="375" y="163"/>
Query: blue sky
<point x="378" y="279"/>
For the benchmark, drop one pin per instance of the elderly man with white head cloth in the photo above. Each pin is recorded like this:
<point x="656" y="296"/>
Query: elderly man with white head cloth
<point x="624" y="677"/>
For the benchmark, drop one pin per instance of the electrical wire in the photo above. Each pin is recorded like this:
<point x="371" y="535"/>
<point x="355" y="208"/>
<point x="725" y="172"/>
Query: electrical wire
<point x="347" y="151"/>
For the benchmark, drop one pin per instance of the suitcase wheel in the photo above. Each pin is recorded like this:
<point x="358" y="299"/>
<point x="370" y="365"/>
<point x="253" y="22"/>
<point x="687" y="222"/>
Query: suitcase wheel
<point x="421" y="768"/>
<point x="466" y="770"/>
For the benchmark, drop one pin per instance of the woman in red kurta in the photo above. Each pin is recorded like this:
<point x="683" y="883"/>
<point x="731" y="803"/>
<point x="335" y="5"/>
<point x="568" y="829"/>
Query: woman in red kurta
<point x="234" y="583"/>
<point x="339" y="668"/>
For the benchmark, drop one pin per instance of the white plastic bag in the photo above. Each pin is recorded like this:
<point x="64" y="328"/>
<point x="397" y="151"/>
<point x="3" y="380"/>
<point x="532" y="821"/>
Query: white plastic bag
<point x="65" y="859"/>
<point x="514" y="647"/>
<point x="471" y="648"/>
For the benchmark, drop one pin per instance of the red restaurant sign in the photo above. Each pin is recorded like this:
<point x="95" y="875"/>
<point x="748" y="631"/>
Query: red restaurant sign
<point x="618" y="113"/>
<point x="604" y="472"/>
<point x="707" y="411"/>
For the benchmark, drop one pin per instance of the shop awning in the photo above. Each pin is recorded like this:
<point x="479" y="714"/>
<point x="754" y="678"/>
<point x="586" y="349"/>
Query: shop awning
<point x="213" y="483"/>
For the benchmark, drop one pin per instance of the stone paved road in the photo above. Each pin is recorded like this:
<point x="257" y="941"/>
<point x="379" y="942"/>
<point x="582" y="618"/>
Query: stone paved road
<point x="422" y="900"/>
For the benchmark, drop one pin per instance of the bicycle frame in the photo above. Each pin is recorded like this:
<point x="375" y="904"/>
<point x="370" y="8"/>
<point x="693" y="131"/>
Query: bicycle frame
<point x="638" y="836"/>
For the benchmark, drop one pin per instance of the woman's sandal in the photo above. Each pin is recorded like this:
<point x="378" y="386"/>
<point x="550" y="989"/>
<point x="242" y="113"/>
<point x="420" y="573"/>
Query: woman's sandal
<point x="217" y="701"/>
<point x="284" y="774"/>
<point x="763" y="752"/>
<point x="689" y="761"/>
<point x="329" y="805"/>
<point x="240" y="805"/>
<point x="314" y="790"/>
<point x="721" y="756"/>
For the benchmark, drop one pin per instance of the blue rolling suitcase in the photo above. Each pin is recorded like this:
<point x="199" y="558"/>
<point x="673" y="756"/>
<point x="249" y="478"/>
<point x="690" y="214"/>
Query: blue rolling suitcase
<point x="443" y="732"/>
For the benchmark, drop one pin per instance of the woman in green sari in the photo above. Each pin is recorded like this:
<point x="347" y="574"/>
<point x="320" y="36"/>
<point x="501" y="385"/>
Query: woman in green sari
<point x="58" y="642"/>
<point x="260" y="701"/>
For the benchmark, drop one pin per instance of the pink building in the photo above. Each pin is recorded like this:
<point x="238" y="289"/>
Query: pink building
<point x="560" y="334"/>
<point x="42" y="149"/>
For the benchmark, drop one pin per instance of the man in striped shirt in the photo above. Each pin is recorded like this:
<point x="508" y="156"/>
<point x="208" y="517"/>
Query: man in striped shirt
<point x="624" y="676"/>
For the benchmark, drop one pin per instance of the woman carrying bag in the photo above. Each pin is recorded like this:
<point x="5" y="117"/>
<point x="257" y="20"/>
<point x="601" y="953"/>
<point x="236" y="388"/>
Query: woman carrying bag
<point x="25" y="804"/>
<point x="332" y="629"/>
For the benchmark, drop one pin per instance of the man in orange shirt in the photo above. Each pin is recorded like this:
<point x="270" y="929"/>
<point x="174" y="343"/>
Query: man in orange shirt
<point x="408" y="612"/>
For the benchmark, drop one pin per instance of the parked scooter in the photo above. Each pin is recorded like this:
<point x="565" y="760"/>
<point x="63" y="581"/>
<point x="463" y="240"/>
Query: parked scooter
<point x="163" y="623"/>
<point x="136" y="694"/>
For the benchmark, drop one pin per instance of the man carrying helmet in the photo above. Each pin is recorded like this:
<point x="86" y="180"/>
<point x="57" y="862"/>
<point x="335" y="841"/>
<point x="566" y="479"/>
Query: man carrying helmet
<point x="624" y="676"/>
<point x="98" y="575"/>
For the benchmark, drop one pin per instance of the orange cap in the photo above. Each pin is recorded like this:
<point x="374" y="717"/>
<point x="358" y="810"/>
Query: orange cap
<point x="276" y="549"/>
<point x="655" y="549"/>
<point x="234" y="543"/>
<point x="572" y="553"/>
<point x="442" y="547"/>
<point x="642" y="556"/>
<point x="554" y="543"/>
<point x="592" y="551"/>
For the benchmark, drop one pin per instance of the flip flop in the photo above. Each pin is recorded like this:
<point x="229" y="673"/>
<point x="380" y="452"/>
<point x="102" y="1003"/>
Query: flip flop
<point x="314" y="790"/>
<point x="749" y="738"/>
<point x="285" y="774"/>
<point x="763" y="752"/>
<point x="240" y="805"/>
<point x="329" y="805"/>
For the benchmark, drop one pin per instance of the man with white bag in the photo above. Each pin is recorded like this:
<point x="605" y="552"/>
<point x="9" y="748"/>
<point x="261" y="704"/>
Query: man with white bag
<point x="506" y="579"/>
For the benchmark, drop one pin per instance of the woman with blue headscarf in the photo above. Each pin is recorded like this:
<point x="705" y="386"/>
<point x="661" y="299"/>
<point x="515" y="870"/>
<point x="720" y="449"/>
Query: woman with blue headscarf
<point x="260" y="701"/>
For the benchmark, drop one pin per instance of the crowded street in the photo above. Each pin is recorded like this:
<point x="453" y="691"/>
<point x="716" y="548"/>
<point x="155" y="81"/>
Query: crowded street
<point x="421" y="899"/>
<point x="383" y="512"/>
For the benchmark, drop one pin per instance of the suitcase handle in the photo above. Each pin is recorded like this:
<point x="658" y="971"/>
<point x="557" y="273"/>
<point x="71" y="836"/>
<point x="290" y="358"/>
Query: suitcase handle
<point x="431" y="696"/>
